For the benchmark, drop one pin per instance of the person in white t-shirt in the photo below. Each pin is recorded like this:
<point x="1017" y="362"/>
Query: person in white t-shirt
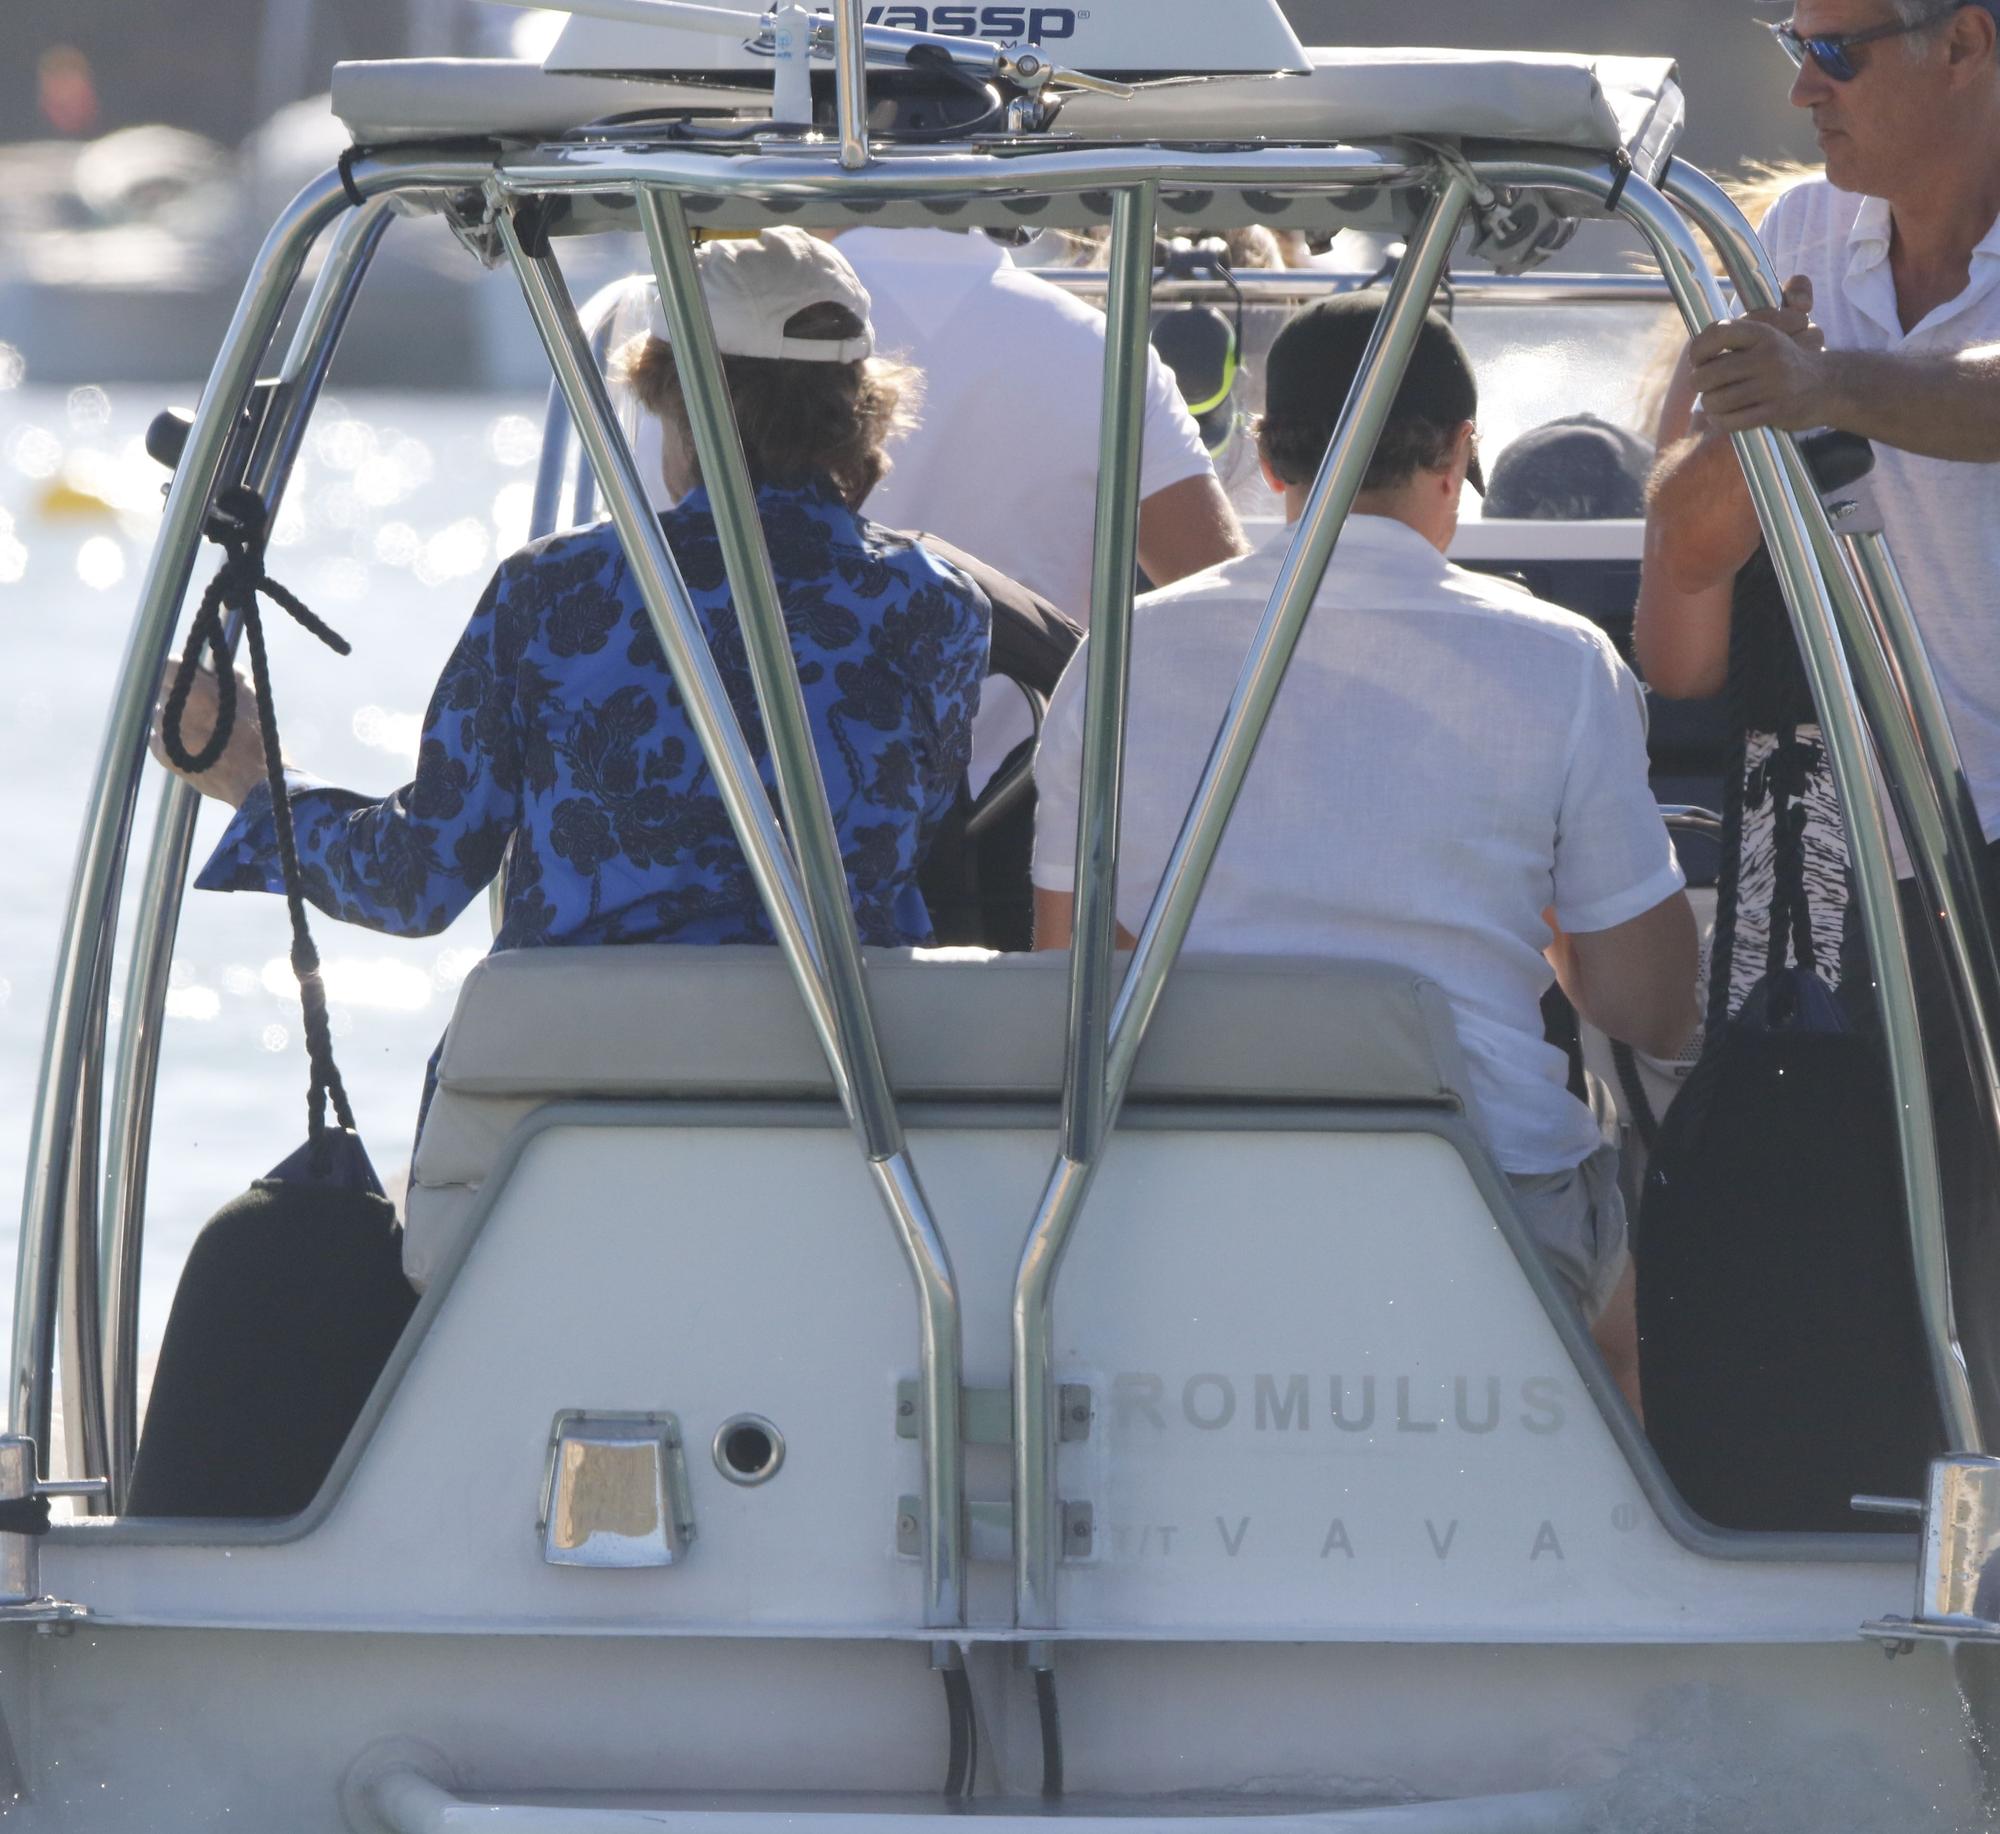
<point x="1453" y="780"/>
<point x="1003" y="461"/>
<point x="1890" y="328"/>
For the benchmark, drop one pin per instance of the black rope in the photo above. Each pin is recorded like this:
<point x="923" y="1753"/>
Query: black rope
<point x="963" y="1759"/>
<point x="239" y="526"/>
<point x="1051" y="1719"/>
<point x="1729" y="872"/>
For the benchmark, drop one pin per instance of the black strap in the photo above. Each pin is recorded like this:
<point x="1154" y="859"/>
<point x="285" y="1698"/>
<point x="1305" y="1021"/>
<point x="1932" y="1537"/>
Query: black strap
<point x="239" y="526"/>
<point x="1781" y="778"/>
<point x="1729" y="868"/>
<point x="345" y="167"/>
<point x="1621" y="163"/>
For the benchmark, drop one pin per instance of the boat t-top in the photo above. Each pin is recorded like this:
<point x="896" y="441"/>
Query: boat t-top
<point x="853" y="1389"/>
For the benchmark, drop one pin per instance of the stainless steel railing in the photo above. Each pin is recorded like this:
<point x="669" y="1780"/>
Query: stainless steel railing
<point x="805" y="890"/>
<point x="163" y="881"/>
<point x="1898" y="693"/>
<point x="1832" y="623"/>
<point x="1036" y="1507"/>
<point x="65" y="1123"/>
<point x="809" y="909"/>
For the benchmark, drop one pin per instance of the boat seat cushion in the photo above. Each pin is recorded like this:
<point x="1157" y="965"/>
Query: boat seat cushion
<point x="660" y="1022"/>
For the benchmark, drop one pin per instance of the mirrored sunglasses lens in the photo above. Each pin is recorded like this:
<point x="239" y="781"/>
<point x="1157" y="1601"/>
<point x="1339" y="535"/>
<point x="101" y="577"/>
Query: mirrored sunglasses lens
<point x="1793" y="47"/>
<point x="1831" y="56"/>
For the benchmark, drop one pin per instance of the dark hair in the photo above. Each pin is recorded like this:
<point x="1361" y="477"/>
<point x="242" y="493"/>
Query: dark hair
<point x="798" y="420"/>
<point x="1294" y="449"/>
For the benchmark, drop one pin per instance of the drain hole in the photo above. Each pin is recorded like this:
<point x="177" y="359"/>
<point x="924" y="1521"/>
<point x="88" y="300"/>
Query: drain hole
<point x="748" y="1449"/>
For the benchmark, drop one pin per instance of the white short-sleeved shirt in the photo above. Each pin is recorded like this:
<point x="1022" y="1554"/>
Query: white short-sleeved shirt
<point x="1003" y="462"/>
<point x="1941" y="516"/>
<point x="1448" y="758"/>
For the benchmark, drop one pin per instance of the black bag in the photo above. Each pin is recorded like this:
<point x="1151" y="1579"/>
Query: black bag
<point x="293" y="1296"/>
<point x="1780" y="1353"/>
<point x="287" y="1310"/>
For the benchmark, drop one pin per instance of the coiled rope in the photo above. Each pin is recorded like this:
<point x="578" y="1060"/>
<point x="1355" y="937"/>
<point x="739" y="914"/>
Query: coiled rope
<point x="240" y="526"/>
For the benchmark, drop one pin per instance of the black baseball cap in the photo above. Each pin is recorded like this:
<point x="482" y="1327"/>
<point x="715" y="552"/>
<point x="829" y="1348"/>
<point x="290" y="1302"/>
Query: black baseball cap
<point x="1314" y="360"/>
<point x="1576" y="469"/>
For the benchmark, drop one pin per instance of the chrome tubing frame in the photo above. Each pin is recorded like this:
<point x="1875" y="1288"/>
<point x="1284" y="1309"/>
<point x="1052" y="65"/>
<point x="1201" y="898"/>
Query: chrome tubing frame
<point x="1114" y="559"/>
<point x="765" y="848"/>
<point x="791" y="178"/>
<point x="547" y="513"/>
<point x="164" y="878"/>
<point x="1036" y="1530"/>
<point x="1094" y="930"/>
<point x="1831" y="621"/>
<point x="73" y="1036"/>
<point x="760" y="615"/>
<point x="79" y="1287"/>
<point x="850" y="82"/>
<point x="1923" y="770"/>
<point x="679" y="628"/>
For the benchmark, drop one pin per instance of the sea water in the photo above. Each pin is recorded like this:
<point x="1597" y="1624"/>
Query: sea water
<point x="397" y="511"/>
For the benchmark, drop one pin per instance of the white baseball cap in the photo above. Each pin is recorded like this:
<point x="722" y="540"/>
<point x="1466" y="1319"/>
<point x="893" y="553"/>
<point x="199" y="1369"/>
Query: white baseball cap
<point x="756" y="285"/>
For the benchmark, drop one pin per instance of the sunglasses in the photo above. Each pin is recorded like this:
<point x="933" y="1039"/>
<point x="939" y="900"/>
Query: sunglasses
<point x="1830" y="51"/>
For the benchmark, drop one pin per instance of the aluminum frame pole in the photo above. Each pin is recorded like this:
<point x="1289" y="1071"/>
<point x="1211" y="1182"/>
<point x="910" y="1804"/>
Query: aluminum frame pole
<point x="737" y="780"/>
<point x="850" y="82"/>
<point x="1899" y="691"/>
<point x="1825" y="607"/>
<point x="547" y="512"/>
<point x="70" y="1037"/>
<point x="1114" y="559"/>
<point x="164" y="879"/>
<point x="1957" y="843"/>
<point x="678" y="627"/>
<point x="794" y="757"/>
<point x="1036" y="1529"/>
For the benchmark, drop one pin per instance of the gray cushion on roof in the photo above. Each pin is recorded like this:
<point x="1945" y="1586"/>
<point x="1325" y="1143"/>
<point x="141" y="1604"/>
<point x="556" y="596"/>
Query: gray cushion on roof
<point x="1351" y="94"/>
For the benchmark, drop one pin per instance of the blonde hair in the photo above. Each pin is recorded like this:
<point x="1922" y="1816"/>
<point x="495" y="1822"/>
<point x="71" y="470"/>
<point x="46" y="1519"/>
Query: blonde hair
<point x="1760" y="185"/>
<point x="799" y="420"/>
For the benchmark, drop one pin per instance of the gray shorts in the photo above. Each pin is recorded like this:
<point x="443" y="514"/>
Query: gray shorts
<point x="1577" y="1219"/>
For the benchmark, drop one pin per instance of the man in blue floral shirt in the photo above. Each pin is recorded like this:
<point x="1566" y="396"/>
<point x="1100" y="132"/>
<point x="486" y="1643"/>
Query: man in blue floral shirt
<point x="557" y="740"/>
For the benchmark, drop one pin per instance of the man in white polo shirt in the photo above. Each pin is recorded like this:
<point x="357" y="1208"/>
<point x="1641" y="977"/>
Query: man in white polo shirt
<point x="1895" y="257"/>
<point x="1449" y="761"/>
<point x="1003" y="461"/>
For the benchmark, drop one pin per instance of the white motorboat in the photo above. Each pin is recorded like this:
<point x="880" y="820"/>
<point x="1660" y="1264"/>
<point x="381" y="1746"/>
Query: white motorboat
<point x="1171" y="1374"/>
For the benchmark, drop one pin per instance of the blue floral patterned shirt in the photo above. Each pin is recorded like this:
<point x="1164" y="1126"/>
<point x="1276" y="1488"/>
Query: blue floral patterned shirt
<point x="557" y="731"/>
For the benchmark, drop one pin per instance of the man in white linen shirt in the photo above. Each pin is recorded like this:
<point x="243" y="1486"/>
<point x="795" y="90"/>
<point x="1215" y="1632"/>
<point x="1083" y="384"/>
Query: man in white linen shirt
<point x="1449" y="762"/>
<point x="1003" y="461"/>
<point x="1891" y="329"/>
